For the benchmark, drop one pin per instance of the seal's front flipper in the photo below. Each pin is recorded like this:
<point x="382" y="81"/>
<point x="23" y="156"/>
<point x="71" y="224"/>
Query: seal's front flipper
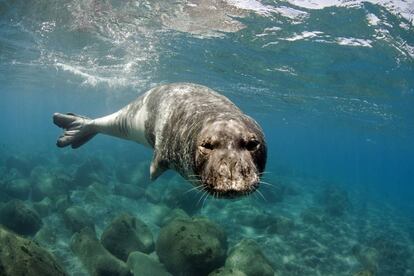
<point x="78" y="129"/>
<point x="158" y="166"/>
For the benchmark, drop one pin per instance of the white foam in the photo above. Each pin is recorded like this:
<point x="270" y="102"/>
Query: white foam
<point x="350" y="41"/>
<point x="403" y="48"/>
<point x="404" y="26"/>
<point x="382" y="34"/>
<point x="268" y="31"/>
<point x="272" y="29"/>
<point x="410" y="50"/>
<point x="291" y="13"/>
<point x="286" y="69"/>
<point x="270" y="44"/>
<point x="91" y="79"/>
<point x="267" y="10"/>
<point x="320" y="37"/>
<point x="399" y="8"/>
<point x="252" y="5"/>
<point x="304" y="35"/>
<point x="373" y="20"/>
<point x="320" y="4"/>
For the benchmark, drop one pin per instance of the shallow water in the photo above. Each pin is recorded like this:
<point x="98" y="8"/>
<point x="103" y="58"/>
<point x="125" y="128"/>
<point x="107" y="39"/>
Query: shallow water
<point x="330" y="82"/>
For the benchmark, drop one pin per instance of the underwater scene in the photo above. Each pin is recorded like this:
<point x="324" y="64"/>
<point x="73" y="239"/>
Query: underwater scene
<point x="330" y="82"/>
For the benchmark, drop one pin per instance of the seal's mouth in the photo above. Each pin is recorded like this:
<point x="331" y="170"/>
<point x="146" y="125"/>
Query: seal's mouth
<point x="231" y="191"/>
<point x="224" y="181"/>
<point x="230" y="194"/>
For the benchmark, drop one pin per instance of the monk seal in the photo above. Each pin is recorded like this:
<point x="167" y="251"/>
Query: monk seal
<point x="192" y="129"/>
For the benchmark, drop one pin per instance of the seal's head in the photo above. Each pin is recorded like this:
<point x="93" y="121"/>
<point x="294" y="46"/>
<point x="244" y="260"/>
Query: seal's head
<point x="230" y="157"/>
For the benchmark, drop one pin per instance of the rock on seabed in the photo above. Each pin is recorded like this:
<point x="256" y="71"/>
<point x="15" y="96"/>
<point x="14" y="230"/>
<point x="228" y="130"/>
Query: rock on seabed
<point x="126" y="234"/>
<point x="23" y="257"/>
<point x="247" y="257"/>
<point x="191" y="246"/>
<point x="20" y="218"/>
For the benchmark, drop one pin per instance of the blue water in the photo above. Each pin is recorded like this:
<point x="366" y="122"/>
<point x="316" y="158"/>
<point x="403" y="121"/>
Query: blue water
<point x="332" y="87"/>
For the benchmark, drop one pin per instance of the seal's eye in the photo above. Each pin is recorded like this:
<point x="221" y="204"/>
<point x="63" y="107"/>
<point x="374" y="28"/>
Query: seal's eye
<point x="252" y="145"/>
<point x="206" y="147"/>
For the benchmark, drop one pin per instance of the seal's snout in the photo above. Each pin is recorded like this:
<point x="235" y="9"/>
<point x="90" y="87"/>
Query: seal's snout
<point x="230" y="155"/>
<point x="230" y="174"/>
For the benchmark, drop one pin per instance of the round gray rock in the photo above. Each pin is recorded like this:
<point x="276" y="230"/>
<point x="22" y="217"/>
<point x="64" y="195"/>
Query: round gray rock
<point x="247" y="256"/>
<point x="191" y="246"/>
<point x="43" y="207"/>
<point x="142" y="264"/>
<point x="19" y="256"/>
<point x="126" y="234"/>
<point x="97" y="260"/>
<point x="18" y="188"/>
<point x="20" y="218"/>
<point x="129" y="191"/>
<point x="224" y="271"/>
<point x="76" y="219"/>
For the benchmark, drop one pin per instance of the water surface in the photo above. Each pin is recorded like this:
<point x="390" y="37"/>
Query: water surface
<point x="331" y="83"/>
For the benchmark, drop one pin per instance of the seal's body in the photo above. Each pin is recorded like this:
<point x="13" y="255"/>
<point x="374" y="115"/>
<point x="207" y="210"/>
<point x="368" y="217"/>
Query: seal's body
<point x="193" y="130"/>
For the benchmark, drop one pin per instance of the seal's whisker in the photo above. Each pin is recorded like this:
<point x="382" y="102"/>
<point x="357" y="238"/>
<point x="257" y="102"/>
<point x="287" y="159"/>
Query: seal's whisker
<point x="193" y="188"/>
<point x="201" y="190"/>
<point x="264" y="173"/>
<point x="197" y="183"/>
<point x="202" y="206"/>
<point x="260" y="193"/>
<point x="198" y="201"/>
<point x="253" y="198"/>
<point x="255" y="195"/>
<point x="270" y="188"/>
<point x="267" y="183"/>
<point x="204" y="193"/>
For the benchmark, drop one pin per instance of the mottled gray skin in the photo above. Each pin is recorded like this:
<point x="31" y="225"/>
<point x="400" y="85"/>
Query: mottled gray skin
<point x="193" y="130"/>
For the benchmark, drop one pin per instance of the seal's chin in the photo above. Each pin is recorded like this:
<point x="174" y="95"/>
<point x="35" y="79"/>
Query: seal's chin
<point x="231" y="190"/>
<point x="229" y="194"/>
